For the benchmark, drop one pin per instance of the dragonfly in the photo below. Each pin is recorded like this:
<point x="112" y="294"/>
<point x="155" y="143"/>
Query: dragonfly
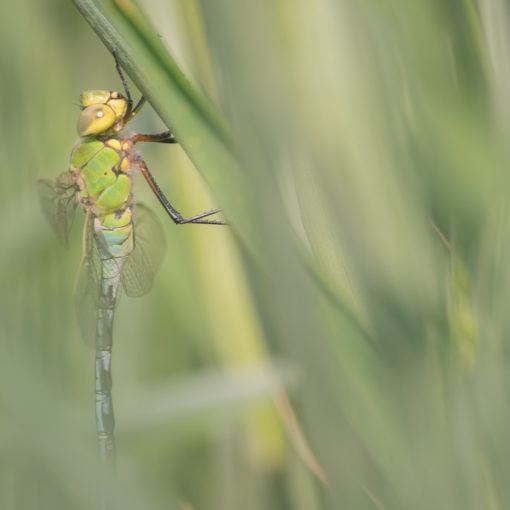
<point x="122" y="239"/>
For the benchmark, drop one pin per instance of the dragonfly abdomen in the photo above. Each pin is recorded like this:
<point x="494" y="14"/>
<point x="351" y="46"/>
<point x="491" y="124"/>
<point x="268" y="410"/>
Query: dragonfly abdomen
<point x="114" y="240"/>
<point x="111" y="269"/>
<point x="114" y="233"/>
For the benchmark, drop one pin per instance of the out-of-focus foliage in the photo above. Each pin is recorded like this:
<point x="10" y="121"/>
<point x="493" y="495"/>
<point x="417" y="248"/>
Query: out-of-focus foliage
<point x="367" y="265"/>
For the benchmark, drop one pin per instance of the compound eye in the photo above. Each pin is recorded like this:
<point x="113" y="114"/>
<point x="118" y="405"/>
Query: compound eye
<point x="96" y="119"/>
<point x="90" y="97"/>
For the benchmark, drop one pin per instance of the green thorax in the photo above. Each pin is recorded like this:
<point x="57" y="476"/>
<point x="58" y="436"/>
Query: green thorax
<point x="100" y="170"/>
<point x="97" y="166"/>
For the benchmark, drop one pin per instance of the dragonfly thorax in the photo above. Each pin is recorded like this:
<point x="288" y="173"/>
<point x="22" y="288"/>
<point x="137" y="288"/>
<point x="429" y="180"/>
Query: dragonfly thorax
<point x="102" y="110"/>
<point x="102" y="172"/>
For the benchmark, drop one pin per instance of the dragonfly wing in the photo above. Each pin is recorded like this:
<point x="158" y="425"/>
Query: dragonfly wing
<point x="88" y="284"/>
<point x="141" y="266"/>
<point x="59" y="201"/>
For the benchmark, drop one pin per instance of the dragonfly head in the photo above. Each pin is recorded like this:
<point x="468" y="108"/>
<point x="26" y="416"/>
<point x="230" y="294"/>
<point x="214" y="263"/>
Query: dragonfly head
<point x="101" y="110"/>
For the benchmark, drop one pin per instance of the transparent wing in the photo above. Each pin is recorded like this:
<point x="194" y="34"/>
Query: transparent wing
<point x="88" y="283"/>
<point x="59" y="200"/>
<point x="141" y="266"/>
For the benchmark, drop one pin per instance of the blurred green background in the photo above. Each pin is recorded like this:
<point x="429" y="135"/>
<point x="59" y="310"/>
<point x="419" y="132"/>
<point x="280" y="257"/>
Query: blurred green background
<point x="366" y="269"/>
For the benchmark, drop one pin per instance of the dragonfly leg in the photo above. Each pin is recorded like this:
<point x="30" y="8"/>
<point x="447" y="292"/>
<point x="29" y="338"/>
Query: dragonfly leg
<point x="138" y="106"/>
<point x="130" y="111"/>
<point x="173" y="213"/>
<point x="165" y="137"/>
<point x="122" y="79"/>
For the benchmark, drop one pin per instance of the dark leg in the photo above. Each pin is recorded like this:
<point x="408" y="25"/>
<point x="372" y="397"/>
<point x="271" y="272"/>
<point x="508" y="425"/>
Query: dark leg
<point x="165" y="137"/>
<point x="122" y="79"/>
<point x="175" y="215"/>
<point x="130" y="112"/>
<point x="138" y="106"/>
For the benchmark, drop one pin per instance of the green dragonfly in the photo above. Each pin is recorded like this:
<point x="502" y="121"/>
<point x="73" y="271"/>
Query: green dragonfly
<point x="122" y="240"/>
